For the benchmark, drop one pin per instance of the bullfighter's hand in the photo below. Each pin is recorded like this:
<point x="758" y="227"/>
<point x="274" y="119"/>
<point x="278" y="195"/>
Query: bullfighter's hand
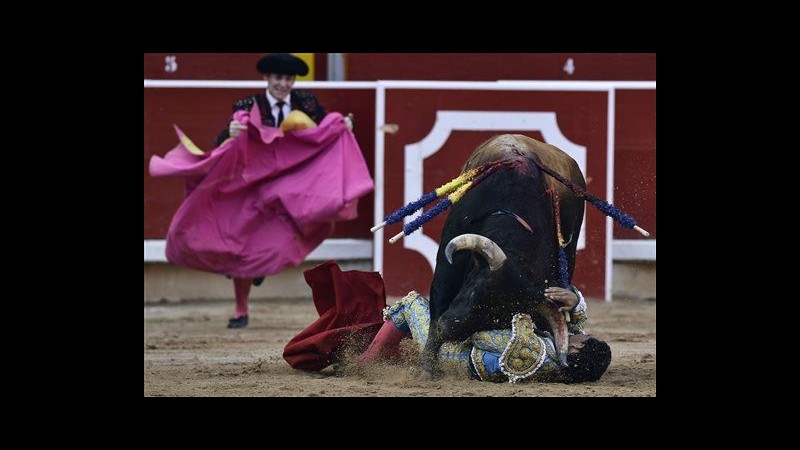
<point x="236" y="127"/>
<point x="348" y="121"/>
<point x="564" y="298"/>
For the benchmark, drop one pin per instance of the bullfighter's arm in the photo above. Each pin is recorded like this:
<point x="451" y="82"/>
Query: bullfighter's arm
<point x="569" y="300"/>
<point x="578" y="314"/>
<point x="234" y="127"/>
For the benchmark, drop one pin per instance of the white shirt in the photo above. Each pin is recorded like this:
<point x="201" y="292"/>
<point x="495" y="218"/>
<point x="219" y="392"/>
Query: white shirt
<point x="273" y="103"/>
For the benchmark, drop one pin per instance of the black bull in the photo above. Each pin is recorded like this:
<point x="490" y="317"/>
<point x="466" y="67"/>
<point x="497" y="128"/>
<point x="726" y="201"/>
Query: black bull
<point x="505" y="268"/>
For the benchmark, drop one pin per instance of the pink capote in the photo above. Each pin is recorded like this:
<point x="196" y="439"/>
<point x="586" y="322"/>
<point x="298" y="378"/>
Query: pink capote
<point x="263" y="201"/>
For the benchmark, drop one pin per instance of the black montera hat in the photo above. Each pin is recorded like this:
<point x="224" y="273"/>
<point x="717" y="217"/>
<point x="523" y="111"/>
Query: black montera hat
<point x="282" y="63"/>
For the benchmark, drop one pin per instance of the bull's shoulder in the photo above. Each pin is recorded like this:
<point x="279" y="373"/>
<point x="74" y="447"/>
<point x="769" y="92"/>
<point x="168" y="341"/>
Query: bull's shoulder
<point x="549" y="154"/>
<point x="558" y="160"/>
<point x="495" y="149"/>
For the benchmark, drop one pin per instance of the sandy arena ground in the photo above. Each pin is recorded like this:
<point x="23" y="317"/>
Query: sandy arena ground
<point x="188" y="351"/>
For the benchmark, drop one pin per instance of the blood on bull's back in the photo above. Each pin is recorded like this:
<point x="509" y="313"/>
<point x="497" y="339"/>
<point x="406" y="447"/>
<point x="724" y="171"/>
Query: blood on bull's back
<point x="513" y="145"/>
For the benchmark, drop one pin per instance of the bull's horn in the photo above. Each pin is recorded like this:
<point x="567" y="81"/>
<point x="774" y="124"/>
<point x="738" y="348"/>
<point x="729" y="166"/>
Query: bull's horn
<point x="494" y="255"/>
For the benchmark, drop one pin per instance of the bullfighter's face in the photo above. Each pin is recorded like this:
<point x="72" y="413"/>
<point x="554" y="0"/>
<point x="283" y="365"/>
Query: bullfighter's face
<point x="279" y="85"/>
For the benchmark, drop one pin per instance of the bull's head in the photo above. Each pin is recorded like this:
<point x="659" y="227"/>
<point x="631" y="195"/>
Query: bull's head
<point x="500" y="276"/>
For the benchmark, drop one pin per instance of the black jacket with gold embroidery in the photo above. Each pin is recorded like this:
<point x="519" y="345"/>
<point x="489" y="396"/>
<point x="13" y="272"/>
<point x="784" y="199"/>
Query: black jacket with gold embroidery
<point x="302" y="100"/>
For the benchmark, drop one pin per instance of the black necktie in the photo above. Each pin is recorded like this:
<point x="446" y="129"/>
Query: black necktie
<point x="280" y="113"/>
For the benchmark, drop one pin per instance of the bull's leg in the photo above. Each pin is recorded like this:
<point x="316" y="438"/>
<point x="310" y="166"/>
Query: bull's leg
<point x="451" y="326"/>
<point x="427" y="357"/>
<point x="458" y="321"/>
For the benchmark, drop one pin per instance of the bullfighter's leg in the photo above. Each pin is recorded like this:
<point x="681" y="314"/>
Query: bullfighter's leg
<point x="386" y="344"/>
<point x="241" y="287"/>
<point x="409" y="317"/>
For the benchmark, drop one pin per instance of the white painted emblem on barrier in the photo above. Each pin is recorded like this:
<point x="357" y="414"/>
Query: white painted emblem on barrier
<point x="446" y="122"/>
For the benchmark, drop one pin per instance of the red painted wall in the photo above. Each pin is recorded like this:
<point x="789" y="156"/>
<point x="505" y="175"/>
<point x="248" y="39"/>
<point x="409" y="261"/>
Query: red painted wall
<point x="203" y="66"/>
<point x="635" y="160"/>
<point x="419" y="66"/>
<point x="500" y="66"/>
<point x="215" y="66"/>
